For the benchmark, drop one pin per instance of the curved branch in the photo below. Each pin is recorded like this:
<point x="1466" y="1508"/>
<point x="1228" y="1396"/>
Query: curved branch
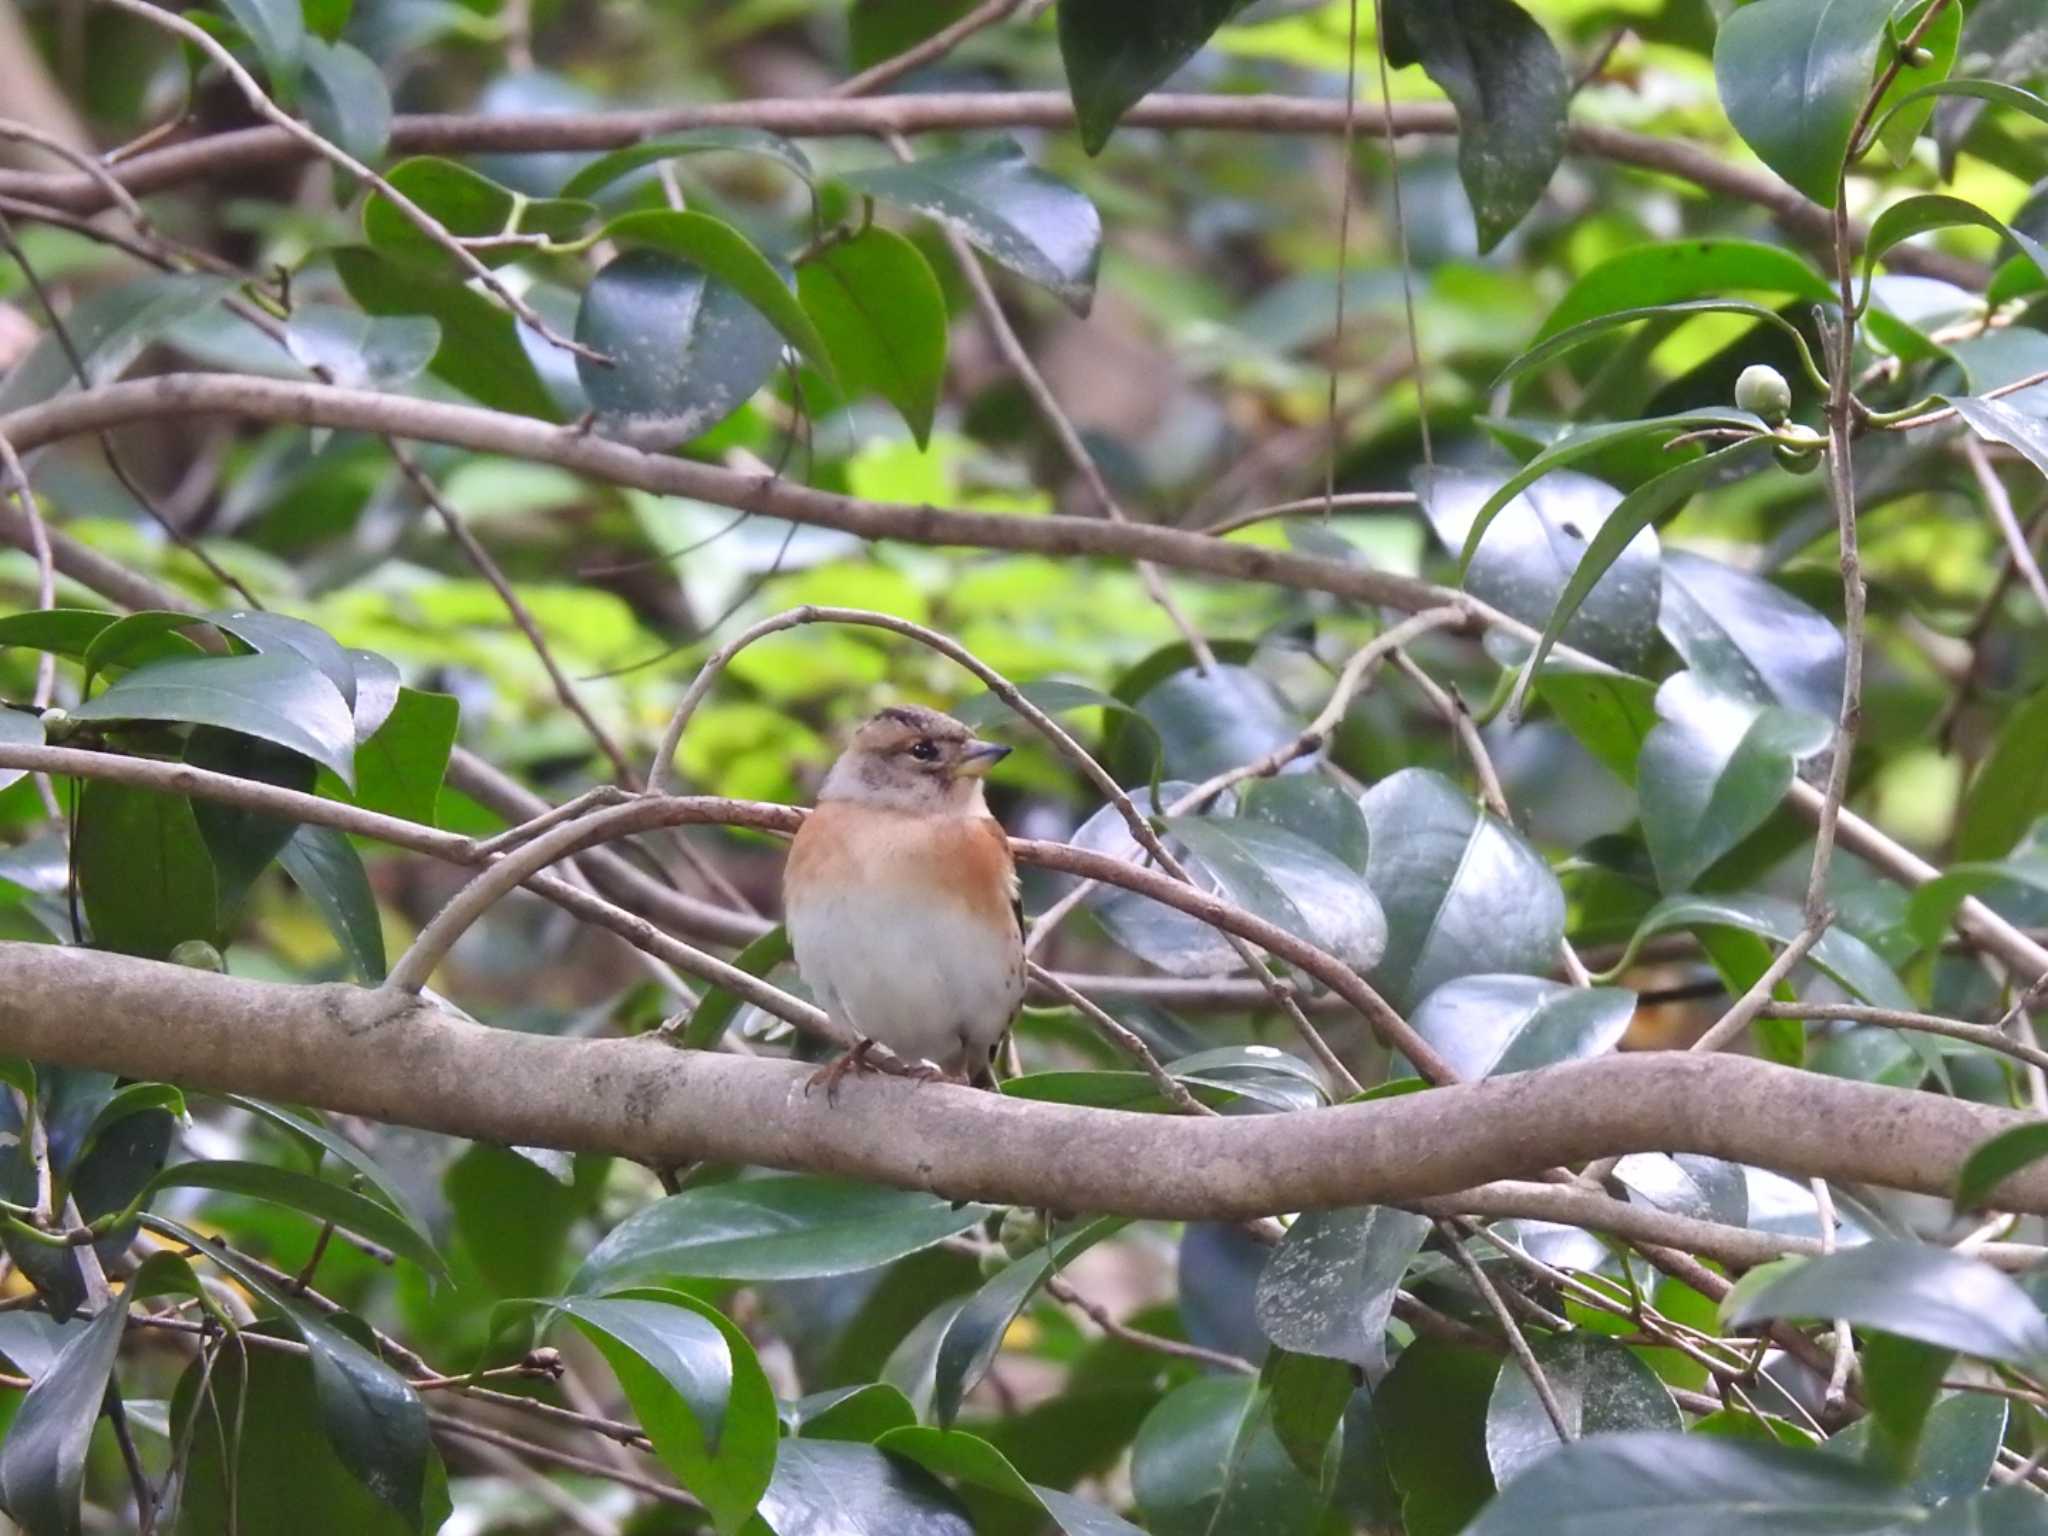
<point x="226" y="153"/>
<point x="406" y="1062"/>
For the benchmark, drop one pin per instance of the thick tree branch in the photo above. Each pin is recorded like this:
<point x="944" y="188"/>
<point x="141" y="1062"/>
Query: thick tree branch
<point x="405" y="1062"/>
<point x="920" y="113"/>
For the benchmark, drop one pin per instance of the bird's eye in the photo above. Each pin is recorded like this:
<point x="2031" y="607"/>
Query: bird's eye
<point x="924" y="752"/>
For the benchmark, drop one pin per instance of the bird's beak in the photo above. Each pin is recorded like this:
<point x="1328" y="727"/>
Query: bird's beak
<point x="981" y="756"/>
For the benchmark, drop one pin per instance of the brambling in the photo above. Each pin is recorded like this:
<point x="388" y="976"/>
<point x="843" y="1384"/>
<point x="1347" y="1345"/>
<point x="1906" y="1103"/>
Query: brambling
<point x="901" y="899"/>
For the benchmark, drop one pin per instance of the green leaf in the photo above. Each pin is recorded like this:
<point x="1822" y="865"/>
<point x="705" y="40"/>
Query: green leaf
<point x="1581" y="442"/>
<point x="1898" y="121"/>
<point x="150" y="635"/>
<point x="42" y="1461"/>
<point x="1929" y="909"/>
<point x="687" y="349"/>
<point x="399" y="769"/>
<point x="1955" y="1449"/>
<point x="1603" y="1388"/>
<point x="695" y="1387"/>
<point x="1610" y="716"/>
<point x="1309" y="1395"/>
<point x="1431" y="1411"/>
<point x="1933" y="210"/>
<point x="308" y="1131"/>
<point x="864" y="1413"/>
<point x="1311" y="806"/>
<point x="781" y="1227"/>
<point x="1996" y="1159"/>
<point x="1207" y="1461"/>
<point x="606" y="169"/>
<point x="324" y="865"/>
<point x="879" y="308"/>
<point x="60" y="631"/>
<point x="311" y="1197"/>
<point x="241" y="842"/>
<point x="1693" y="1485"/>
<point x="278" y="29"/>
<point x="110" y="329"/>
<point x="996" y="200"/>
<point x="1556" y="343"/>
<point x="282" y="1472"/>
<point x="1996" y="92"/>
<point x="2010" y="789"/>
<point x="1911" y="1289"/>
<point x="276" y="698"/>
<point x="18" y="728"/>
<point x="347" y="101"/>
<point x="480" y="352"/>
<point x="144" y="876"/>
<point x="1290" y="882"/>
<point x="1901" y="1379"/>
<point x="377" y="690"/>
<point x="972" y="1461"/>
<point x="1839" y="953"/>
<point x="718" y="249"/>
<point x="1116" y="52"/>
<point x="1463" y="894"/>
<point x="1713" y="771"/>
<point x="830" y="1486"/>
<point x="360" y="351"/>
<point x="1793" y="76"/>
<point x="1670" y="272"/>
<point x="1328" y="1289"/>
<point x="1748" y="637"/>
<point x="469" y="206"/>
<point x="717" y="1008"/>
<point x="368" y="1413"/>
<point x="1488" y="1026"/>
<point x="1504" y="76"/>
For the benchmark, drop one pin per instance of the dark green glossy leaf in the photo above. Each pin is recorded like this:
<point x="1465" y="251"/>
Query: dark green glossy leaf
<point x="1930" y="908"/>
<point x="278" y="29"/>
<point x="1431" y="1411"/>
<point x="1997" y="1158"/>
<point x="480" y="352"/>
<point x="878" y="307"/>
<point x="377" y="690"/>
<point x="1911" y="1289"/>
<point x="1687" y="1184"/>
<point x="1967" y="99"/>
<point x="1794" y="76"/>
<point x="1713" y="771"/>
<point x="241" y="842"/>
<point x="1118" y="51"/>
<point x="605" y="170"/>
<point x="110" y="329"/>
<point x="996" y="200"/>
<point x="1693" y="1485"/>
<point x="978" y="1467"/>
<point x="1556" y="343"/>
<point x="1904" y="108"/>
<point x="832" y="1488"/>
<point x="144" y="876"/>
<point x="399" y="769"/>
<point x="1933" y="210"/>
<point x="154" y="634"/>
<point x="307" y="1130"/>
<point x="1308" y="1397"/>
<point x="1463" y="894"/>
<point x="696" y="1389"/>
<point x="2011" y="788"/>
<point x="1901" y="1379"/>
<point x="1610" y="716"/>
<point x="1504" y="75"/>
<point x="1537" y="560"/>
<point x="1328" y="1290"/>
<point x="42" y="1461"/>
<point x="1487" y="1026"/>
<point x="1750" y="638"/>
<point x="1290" y="882"/>
<point x="1582" y="442"/>
<point x="468" y="205"/>
<point x="1602" y="1388"/>
<point x="687" y="348"/>
<point x="864" y="1413"/>
<point x="311" y="1197"/>
<point x="282" y="1472"/>
<point x="1839" y="953"/>
<point x="1314" y="807"/>
<point x="324" y="865"/>
<point x="716" y="248"/>
<point x="61" y="631"/>
<point x="1674" y="271"/>
<point x="717" y="1008"/>
<point x="346" y="99"/>
<point x="1956" y="1449"/>
<point x="278" y="698"/>
<point x="1207" y="1460"/>
<point x="782" y="1227"/>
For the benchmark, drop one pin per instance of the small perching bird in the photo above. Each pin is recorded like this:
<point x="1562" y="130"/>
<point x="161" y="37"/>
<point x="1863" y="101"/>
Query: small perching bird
<point x="901" y="898"/>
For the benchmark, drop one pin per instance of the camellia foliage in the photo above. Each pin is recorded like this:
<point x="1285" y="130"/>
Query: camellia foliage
<point x="1508" y="535"/>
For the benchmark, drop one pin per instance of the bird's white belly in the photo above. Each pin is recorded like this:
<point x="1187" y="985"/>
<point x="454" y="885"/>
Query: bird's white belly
<point x="917" y="973"/>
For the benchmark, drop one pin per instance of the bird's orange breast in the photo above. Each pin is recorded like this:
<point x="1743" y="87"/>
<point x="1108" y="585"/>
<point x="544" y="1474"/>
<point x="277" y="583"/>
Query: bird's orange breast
<point x="879" y="851"/>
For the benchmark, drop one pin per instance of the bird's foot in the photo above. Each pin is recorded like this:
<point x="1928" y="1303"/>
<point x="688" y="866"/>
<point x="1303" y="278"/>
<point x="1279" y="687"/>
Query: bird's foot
<point x="862" y="1059"/>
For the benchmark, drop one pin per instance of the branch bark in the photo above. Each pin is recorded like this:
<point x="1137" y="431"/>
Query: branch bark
<point x="406" y="1062"/>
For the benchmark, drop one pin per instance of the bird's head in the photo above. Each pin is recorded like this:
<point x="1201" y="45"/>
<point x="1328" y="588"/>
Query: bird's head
<point x="907" y="758"/>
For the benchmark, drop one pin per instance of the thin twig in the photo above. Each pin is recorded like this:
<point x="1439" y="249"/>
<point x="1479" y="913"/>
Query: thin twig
<point x="1349" y="501"/>
<point x="2009" y="529"/>
<point x="1845" y="1338"/>
<point x="1991" y="1037"/>
<point x="926" y="51"/>
<point x="447" y="1424"/>
<point x="1347" y="172"/>
<point x="1178" y="1349"/>
<point x="1171" y="1088"/>
<point x="1401" y="232"/>
<point x="1518" y="1345"/>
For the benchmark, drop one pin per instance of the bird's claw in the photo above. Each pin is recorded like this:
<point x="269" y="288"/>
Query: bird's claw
<point x="860" y="1059"/>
